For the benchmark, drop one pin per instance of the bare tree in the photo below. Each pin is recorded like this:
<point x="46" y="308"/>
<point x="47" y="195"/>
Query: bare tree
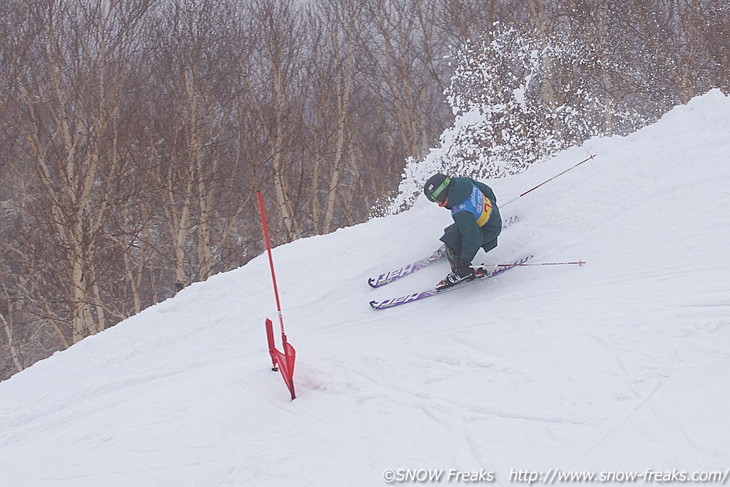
<point x="332" y="72"/>
<point x="195" y="87"/>
<point x="402" y="49"/>
<point x="71" y="116"/>
<point x="273" y="87"/>
<point x="716" y="31"/>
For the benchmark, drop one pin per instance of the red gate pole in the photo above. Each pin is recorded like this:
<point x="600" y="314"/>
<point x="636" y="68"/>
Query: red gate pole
<point x="271" y="261"/>
<point x="284" y="361"/>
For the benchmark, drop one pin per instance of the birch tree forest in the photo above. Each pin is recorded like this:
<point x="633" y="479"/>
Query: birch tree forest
<point x="134" y="134"/>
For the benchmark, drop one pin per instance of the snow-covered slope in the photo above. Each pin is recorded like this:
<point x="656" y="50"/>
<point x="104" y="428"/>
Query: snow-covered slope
<point x="619" y="365"/>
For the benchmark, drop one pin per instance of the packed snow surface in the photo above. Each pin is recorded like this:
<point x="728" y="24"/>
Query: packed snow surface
<point x="621" y="365"/>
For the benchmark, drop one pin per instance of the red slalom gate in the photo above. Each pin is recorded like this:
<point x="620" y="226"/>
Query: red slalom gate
<point x="283" y="361"/>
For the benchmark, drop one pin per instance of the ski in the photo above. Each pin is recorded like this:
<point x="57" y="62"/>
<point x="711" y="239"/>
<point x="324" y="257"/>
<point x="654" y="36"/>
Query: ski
<point x="417" y="296"/>
<point x="409" y="269"/>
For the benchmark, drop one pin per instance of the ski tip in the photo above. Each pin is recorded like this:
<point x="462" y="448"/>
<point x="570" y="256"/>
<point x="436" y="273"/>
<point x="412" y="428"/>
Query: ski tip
<point x="373" y="304"/>
<point x="372" y="283"/>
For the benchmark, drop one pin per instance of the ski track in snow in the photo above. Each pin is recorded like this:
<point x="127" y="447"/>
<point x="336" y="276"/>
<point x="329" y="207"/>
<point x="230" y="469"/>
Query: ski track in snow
<point x="620" y="364"/>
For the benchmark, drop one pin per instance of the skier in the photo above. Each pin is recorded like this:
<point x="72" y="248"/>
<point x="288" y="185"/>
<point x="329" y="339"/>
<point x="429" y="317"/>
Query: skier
<point x="477" y="222"/>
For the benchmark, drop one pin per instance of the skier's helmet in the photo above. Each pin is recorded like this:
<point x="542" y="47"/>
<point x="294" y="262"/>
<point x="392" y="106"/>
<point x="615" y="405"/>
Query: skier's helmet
<point x="436" y="188"/>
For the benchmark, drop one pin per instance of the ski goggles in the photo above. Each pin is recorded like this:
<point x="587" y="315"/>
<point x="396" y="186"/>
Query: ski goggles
<point x="436" y="193"/>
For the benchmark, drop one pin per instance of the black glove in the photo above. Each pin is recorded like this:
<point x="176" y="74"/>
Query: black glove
<point x="463" y="268"/>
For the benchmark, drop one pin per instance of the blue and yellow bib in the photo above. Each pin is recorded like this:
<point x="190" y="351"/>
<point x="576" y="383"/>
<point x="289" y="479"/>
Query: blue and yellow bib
<point x="477" y="204"/>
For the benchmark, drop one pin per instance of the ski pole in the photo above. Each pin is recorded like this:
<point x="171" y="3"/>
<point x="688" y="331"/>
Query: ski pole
<point x="548" y="180"/>
<point x="576" y="262"/>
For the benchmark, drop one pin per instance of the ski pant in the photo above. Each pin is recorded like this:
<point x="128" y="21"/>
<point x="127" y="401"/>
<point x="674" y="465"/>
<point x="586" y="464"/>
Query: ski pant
<point x="452" y="239"/>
